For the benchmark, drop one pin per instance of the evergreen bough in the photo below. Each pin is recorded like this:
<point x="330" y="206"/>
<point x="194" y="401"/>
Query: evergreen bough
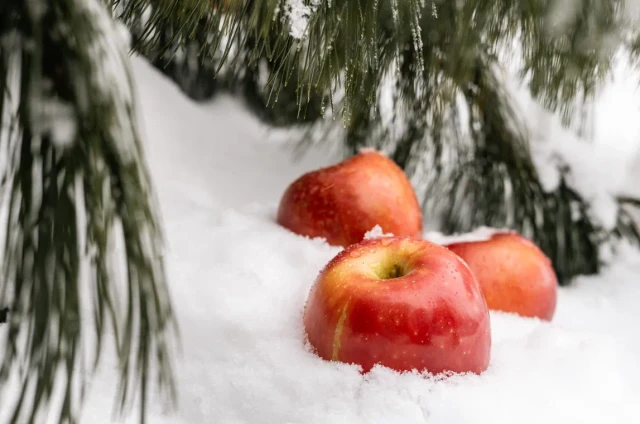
<point x="75" y="184"/>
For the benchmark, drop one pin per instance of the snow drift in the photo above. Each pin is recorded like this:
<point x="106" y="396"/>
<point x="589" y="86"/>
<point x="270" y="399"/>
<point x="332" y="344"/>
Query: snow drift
<point x="239" y="284"/>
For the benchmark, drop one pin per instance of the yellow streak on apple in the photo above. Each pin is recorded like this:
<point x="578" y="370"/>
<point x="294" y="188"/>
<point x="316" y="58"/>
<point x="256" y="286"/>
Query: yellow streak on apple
<point x="338" y="332"/>
<point x="374" y="267"/>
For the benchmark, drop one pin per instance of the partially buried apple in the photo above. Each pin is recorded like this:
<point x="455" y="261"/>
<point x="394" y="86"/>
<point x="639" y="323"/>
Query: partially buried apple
<point x="514" y="274"/>
<point x="400" y="302"/>
<point x="343" y="202"/>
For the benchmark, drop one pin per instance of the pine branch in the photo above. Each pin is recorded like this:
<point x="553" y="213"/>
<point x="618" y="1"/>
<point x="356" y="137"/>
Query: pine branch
<point x="629" y="200"/>
<point x="566" y="48"/>
<point x="627" y="228"/>
<point x="77" y="184"/>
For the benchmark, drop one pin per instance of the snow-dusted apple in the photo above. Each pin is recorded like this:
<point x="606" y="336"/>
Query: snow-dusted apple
<point x="515" y="275"/>
<point x="342" y="202"/>
<point x="400" y="302"/>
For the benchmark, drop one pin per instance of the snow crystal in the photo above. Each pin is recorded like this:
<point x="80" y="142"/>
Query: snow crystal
<point x="58" y="119"/>
<point x="240" y="282"/>
<point x="299" y="14"/>
<point x="376" y="232"/>
<point x="367" y="149"/>
<point x="63" y="132"/>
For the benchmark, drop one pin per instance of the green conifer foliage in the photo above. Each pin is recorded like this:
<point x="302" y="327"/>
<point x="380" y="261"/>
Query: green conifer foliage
<point x="75" y="184"/>
<point x="294" y="60"/>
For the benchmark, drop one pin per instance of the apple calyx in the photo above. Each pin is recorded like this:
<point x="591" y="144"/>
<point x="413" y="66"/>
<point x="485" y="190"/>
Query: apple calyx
<point x="395" y="271"/>
<point x="392" y="267"/>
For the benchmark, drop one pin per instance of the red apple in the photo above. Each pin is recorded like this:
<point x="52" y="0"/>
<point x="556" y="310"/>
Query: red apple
<point x="400" y="302"/>
<point x="342" y="202"/>
<point x="514" y="274"/>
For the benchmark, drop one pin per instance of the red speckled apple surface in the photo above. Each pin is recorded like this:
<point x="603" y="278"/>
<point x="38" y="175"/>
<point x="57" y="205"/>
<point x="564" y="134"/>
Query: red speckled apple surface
<point x="514" y="274"/>
<point x="342" y="202"/>
<point x="400" y="302"/>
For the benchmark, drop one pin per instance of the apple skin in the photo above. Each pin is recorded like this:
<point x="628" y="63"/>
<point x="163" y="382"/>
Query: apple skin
<point x="515" y="275"/>
<point x="341" y="203"/>
<point x="432" y="318"/>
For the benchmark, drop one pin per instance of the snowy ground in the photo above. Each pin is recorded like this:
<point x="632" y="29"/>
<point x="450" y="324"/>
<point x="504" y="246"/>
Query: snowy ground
<point x="239" y="284"/>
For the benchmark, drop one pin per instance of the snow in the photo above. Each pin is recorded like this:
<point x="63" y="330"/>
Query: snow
<point x="479" y="234"/>
<point x="239" y="284"/>
<point x="298" y="13"/>
<point x="593" y="169"/>
<point x="376" y="232"/>
<point x="600" y="161"/>
<point x="108" y="80"/>
<point x="58" y="119"/>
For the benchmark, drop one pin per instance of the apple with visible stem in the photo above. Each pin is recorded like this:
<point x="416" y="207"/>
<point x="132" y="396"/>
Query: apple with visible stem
<point x="341" y="203"/>
<point x="400" y="302"/>
<point x="515" y="275"/>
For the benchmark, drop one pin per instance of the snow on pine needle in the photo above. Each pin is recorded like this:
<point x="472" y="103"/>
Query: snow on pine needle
<point x="77" y="188"/>
<point x="298" y="13"/>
